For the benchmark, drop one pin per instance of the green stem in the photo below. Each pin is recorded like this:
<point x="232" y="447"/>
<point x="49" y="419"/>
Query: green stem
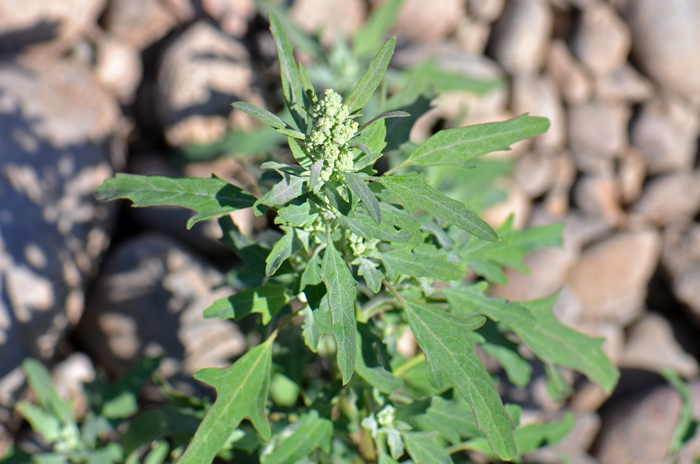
<point x="396" y="168"/>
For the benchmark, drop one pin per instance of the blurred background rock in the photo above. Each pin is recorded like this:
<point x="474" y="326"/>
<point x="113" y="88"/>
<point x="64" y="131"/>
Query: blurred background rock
<point x="92" y="87"/>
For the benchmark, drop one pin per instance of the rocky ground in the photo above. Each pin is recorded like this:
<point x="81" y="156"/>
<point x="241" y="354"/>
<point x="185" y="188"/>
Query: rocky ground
<point x="93" y="87"/>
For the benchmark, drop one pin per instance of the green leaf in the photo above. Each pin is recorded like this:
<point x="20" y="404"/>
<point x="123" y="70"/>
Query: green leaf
<point x="423" y="448"/>
<point x="389" y="115"/>
<point x="241" y="393"/>
<point x="506" y="353"/>
<point x="39" y="379"/>
<point x="369" y="366"/>
<point x="307" y="86"/>
<point x="453" y="420"/>
<point x="399" y="129"/>
<point x="415" y="194"/>
<point x="247" y="249"/>
<point x="373" y="276"/>
<point x="341" y="296"/>
<point x="372" y="78"/>
<point x="208" y="197"/>
<point x="261" y="114"/>
<point x="266" y="300"/>
<point x="686" y="426"/>
<point x="299" y="154"/>
<point x="291" y="81"/>
<point x="357" y="184"/>
<point x="533" y="436"/>
<point x="313" y="432"/>
<point x="282" y="250"/>
<point x="441" y="336"/>
<point x="421" y="265"/>
<point x="365" y="227"/>
<point x="289" y="188"/>
<point x="158" y="454"/>
<point x="372" y="138"/>
<point x="42" y="422"/>
<point x="536" y="326"/>
<point x="309" y="329"/>
<point x="457" y="146"/>
<point x="296" y="215"/>
<point x="292" y="133"/>
<point x="446" y="81"/>
<point x="367" y="39"/>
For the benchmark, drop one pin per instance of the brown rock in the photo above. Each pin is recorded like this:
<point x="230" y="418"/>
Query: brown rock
<point x="539" y="97"/>
<point x="522" y="36"/>
<point x="139" y="23"/>
<point x="472" y="35"/>
<point x="572" y="79"/>
<point x="681" y="250"/>
<point x="669" y="198"/>
<point x="686" y="287"/>
<point x="599" y="128"/>
<point x="485" y="10"/>
<point x="631" y="175"/>
<point x="611" y="277"/>
<point x="118" y="68"/>
<point x="557" y="200"/>
<point x="651" y="345"/>
<point x="599" y="195"/>
<point x="329" y="16"/>
<point x="603" y="40"/>
<point x="666" y="133"/>
<point x="665" y="37"/>
<point x="517" y="205"/>
<point x="534" y="172"/>
<point x="623" y="83"/>
<point x="233" y="15"/>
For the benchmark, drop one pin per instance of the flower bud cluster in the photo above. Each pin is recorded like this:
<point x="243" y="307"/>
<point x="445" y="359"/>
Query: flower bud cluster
<point x="332" y="128"/>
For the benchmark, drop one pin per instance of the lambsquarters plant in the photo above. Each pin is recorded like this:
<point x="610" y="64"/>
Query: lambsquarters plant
<point x="361" y="257"/>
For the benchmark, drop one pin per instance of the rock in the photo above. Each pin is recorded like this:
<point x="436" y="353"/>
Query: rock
<point x="681" y="250"/>
<point x="535" y="172"/>
<point x="572" y="79"/>
<point x="233" y="15"/>
<point x="68" y="378"/>
<point x="557" y="200"/>
<point x="611" y="332"/>
<point x="522" y="36"/>
<point x="149" y="300"/>
<point x="419" y="21"/>
<point x="639" y="430"/>
<point x="576" y="444"/>
<point x="472" y="35"/>
<point x="664" y="38"/>
<point x="201" y="73"/>
<point x="610" y="279"/>
<point x="632" y="171"/>
<point x="625" y="84"/>
<point x="599" y="195"/>
<point x="598" y="128"/>
<point x="686" y="287"/>
<point x="330" y="17"/>
<point x="485" y="10"/>
<point x="118" y="68"/>
<point x="56" y="125"/>
<point x="669" y="198"/>
<point x="602" y="41"/>
<point x="46" y="24"/>
<point x="139" y="23"/>
<point x="666" y="133"/>
<point x="517" y="205"/>
<point x="651" y="346"/>
<point x="539" y="97"/>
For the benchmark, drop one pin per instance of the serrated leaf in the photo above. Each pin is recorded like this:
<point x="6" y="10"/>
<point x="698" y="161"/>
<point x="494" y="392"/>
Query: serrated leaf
<point x="365" y="227"/>
<point x="441" y="336"/>
<point x="428" y="224"/>
<point x="357" y="184"/>
<point x="421" y="265"/>
<point x="297" y="215"/>
<point x="266" y="300"/>
<point x="289" y="188"/>
<point x="340" y="285"/>
<point x="313" y="432"/>
<point x="282" y="250"/>
<point x="208" y="197"/>
<point x="372" y="78"/>
<point x="452" y="420"/>
<point x="388" y="115"/>
<point x="536" y="326"/>
<point x="247" y="249"/>
<point x="260" y="114"/>
<point x="241" y="394"/>
<point x="369" y="366"/>
<point x="424" y="450"/>
<point x="378" y="24"/>
<point x="373" y="276"/>
<point x="506" y="353"/>
<point x="457" y="146"/>
<point x="416" y="194"/>
<point x="291" y="81"/>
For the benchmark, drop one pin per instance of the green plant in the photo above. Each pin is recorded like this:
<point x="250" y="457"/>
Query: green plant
<point x="359" y="259"/>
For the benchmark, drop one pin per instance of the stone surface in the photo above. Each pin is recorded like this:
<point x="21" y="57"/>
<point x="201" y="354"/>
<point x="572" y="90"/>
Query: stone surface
<point x="139" y="22"/>
<point x="535" y="172"/>
<point x="540" y="97"/>
<point x="686" y="287"/>
<point x="419" y="21"/>
<point x="472" y="35"/>
<point x="665" y="35"/>
<point x="202" y="71"/>
<point x="233" y="15"/>
<point x="118" y="68"/>
<point x="599" y="128"/>
<point x="681" y="249"/>
<point x="55" y="128"/>
<point x="522" y="36"/>
<point x="557" y="199"/>
<point x="669" y="198"/>
<point x="610" y="279"/>
<point x="149" y="300"/>
<point x="572" y="79"/>
<point x="602" y="41"/>
<point x="599" y="195"/>
<point x="517" y="205"/>
<point x="485" y="10"/>
<point x="632" y="171"/>
<point x="651" y="345"/>
<point x="624" y="83"/>
<point x="330" y="18"/>
<point x="666" y="133"/>
<point x="49" y="24"/>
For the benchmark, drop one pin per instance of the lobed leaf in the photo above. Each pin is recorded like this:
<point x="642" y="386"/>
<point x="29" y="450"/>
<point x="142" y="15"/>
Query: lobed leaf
<point x="266" y="300"/>
<point x="241" y="393"/>
<point x="313" y="432"/>
<point x="423" y="448"/>
<point x="289" y="188"/>
<point x="372" y="78"/>
<point x="247" y="249"/>
<point x="210" y="198"/>
<point x="421" y="265"/>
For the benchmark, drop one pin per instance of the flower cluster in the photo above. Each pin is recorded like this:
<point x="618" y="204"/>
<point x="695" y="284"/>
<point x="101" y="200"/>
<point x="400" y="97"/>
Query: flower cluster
<point x="331" y="130"/>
